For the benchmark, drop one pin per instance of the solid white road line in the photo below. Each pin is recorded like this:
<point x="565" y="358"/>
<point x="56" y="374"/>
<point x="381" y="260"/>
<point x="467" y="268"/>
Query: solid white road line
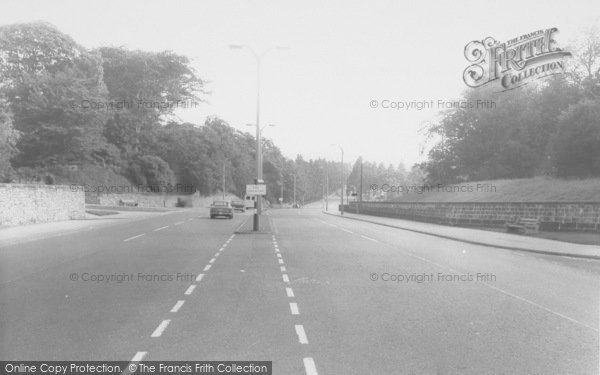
<point x="207" y="267"/>
<point x="369" y="238"/>
<point x="282" y="268"/>
<point x="280" y="261"/>
<point x="309" y="366"/>
<point x="199" y="277"/>
<point x="138" y="356"/>
<point x="301" y="334"/>
<point x="177" y="306"/>
<point x="161" y="328"/>
<point x="294" y="308"/>
<point x="286" y="279"/>
<point x="190" y="289"/>
<point x="134" y="237"/>
<point x="347" y="231"/>
<point x="289" y="292"/>
<point x="161" y="228"/>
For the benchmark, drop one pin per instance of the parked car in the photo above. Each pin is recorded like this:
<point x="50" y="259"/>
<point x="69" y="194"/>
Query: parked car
<point x="238" y="206"/>
<point x="221" y="208"/>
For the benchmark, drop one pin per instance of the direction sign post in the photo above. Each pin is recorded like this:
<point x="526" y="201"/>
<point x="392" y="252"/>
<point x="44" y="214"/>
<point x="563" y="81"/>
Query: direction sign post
<point x="258" y="189"/>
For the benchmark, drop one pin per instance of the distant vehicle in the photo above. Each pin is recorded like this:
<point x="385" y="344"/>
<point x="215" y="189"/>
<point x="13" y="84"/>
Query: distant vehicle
<point x="238" y="206"/>
<point x="221" y="208"/>
<point x="250" y="201"/>
<point x="353" y="197"/>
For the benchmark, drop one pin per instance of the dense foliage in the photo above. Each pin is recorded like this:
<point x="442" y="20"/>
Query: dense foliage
<point x="62" y="105"/>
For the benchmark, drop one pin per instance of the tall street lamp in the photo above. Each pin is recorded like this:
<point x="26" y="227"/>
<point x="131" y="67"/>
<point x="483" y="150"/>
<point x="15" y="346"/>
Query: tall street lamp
<point x="259" y="177"/>
<point x="342" y="180"/>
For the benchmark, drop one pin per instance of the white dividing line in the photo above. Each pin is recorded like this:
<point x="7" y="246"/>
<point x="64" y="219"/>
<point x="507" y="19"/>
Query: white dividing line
<point x="280" y="261"/>
<point x="161" y="328"/>
<point x="199" y="277"/>
<point x="347" y="231"/>
<point x="207" y="267"/>
<point x="289" y="292"/>
<point x="161" y="228"/>
<point x="309" y="366"/>
<point x="190" y="289"/>
<point x="369" y="238"/>
<point x="294" y="308"/>
<point x="510" y="294"/>
<point x="190" y="219"/>
<point x="212" y="260"/>
<point x="278" y="255"/>
<point x="134" y="237"/>
<point x="221" y="249"/>
<point x="217" y="254"/>
<point x="138" y="356"/>
<point x="286" y="279"/>
<point x="179" y="223"/>
<point x="177" y="306"/>
<point x="282" y="268"/>
<point x="301" y="334"/>
<point x="276" y="250"/>
<point x="541" y="307"/>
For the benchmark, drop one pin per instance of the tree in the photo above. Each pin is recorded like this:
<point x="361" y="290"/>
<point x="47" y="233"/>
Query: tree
<point x="46" y="76"/>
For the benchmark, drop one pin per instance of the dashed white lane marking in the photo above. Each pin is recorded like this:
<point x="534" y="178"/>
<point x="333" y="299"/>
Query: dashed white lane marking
<point x="161" y="228"/>
<point x="346" y="230"/>
<point x="161" y="328"/>
<point x="190" y="219"/>
<point x="301" y="334"/>
<point x="286" y="279"/>
<point x="369" y="238"/>
<point x="199" y="277"/>
<point x="179" y="223"/>
<point x="212" y="260"/>
<point x="134" y="237"/>
<point x="177" y="306"/>
<point x="207" y="267"/>
<point x="217" y="254"/>
<point x="276" y="250"/>
<point x="289" y="292"/>
<point x="294" y="308"/>
<point x="282" y="268"/>
<point x="278" y="255"/>
<point x="280" y="261"/>
<point x="221" y="249"/>
<point x="309" y="366"/>
<point x="138" y="356"/>
<point x="190" y="289"/>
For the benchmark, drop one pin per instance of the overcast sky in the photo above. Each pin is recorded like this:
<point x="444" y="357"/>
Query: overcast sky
<point x="342" y="55"/>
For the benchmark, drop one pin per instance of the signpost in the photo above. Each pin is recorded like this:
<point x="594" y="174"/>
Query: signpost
<point x="260" y="189"/>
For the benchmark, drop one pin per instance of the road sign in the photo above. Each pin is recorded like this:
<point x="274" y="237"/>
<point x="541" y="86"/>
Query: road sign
<point x="260" y="189"/>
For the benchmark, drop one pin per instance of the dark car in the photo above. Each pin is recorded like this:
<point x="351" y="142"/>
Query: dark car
<point x="238" y="206"/>
<point x="221" y="208"/>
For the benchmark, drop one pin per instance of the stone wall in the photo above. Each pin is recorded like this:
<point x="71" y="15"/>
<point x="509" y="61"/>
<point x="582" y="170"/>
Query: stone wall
<point x="26" y="204"/>
<point x="574" y="216"/>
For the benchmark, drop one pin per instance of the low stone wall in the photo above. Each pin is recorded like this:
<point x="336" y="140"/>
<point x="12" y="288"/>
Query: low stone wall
<point x="554" y="216"/>
<point x="26" y="204"/>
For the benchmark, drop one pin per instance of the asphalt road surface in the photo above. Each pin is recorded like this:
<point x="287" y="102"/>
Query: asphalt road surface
<point x="313" y="293"/>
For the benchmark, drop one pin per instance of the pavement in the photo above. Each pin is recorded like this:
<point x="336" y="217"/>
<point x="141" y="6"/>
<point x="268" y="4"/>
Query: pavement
<point x="313" y="293"/>
<point x="10" y="235"/>
<point x="482" y="237"/>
